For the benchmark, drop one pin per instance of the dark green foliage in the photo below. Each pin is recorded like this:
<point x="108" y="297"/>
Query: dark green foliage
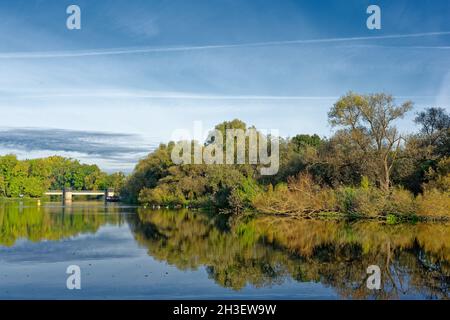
<point x="302" y="141"/>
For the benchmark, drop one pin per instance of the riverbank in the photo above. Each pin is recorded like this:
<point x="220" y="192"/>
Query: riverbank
<point x="390" y="218"/>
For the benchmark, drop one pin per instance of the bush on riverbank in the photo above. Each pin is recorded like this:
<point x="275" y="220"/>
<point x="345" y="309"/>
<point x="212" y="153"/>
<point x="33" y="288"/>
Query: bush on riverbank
<point x="302" y="197"/>
<point x="433" y="203"/>
<point x="299" y="196"/>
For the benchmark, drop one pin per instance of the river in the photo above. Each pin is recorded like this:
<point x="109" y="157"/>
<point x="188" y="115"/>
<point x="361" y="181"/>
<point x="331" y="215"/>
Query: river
<point x="127" y="252"/>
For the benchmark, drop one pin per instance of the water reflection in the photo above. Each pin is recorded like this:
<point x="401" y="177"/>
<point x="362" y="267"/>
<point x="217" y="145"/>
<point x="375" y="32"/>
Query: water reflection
<point x="261" y="251"/>
<point x="28" y="220"/>
<point x="265" y="251"/>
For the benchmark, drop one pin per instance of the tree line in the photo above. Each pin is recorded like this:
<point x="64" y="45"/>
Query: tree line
<point x="31" y="178"/>
<point x="367" y="167"/>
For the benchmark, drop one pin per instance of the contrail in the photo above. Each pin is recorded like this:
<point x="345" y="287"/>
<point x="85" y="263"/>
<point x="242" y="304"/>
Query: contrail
<point x="157" y="95"/>
<point x="135" y="50"/>
<point x="395" y="47"/>
<point x="179" y="95"/>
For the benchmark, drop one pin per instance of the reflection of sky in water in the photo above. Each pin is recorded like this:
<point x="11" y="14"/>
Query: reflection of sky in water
<point x="131" y="252"/>
<point x="114" y="266"/>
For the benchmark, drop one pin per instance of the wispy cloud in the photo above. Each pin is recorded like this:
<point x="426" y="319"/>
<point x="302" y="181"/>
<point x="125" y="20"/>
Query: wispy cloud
<point x="145" y="49"/>
<point x="142" y="94"/>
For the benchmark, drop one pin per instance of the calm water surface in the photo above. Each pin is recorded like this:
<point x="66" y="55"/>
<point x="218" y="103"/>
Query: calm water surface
<point x="135" y="253"/>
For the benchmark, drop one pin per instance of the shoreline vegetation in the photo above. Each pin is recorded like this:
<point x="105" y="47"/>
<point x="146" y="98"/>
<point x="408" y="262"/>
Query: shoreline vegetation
<point x="365" y="170"/>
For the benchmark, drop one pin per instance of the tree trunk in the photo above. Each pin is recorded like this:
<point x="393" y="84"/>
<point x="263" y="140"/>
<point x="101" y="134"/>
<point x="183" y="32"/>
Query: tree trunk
<point x="387" y="178"/>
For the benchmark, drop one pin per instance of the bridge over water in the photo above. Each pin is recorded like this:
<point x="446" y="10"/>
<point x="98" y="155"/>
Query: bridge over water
<point x="67" y="194"/>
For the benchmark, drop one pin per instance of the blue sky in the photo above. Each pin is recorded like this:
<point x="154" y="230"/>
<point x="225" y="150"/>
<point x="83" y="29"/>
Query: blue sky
<point x="139" y="70"/>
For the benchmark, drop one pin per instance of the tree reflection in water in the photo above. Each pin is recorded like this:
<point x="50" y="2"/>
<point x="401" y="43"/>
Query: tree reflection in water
<point x="262" y="251"/>
<point x="52" y="222"/>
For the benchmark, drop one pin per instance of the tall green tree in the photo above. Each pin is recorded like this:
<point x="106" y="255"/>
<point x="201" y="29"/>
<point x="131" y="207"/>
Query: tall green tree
<point x="370" y="122"/>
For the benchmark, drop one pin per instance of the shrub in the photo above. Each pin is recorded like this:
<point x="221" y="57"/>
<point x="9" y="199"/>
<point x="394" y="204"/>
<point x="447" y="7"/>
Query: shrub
<point x="346" y="199"/>
<point x="439" y="178"/>
<point x="367" y="201"/>
<point x="201" y="202"/>
<point x="443" y="182"/>
<point x="400" y="202"/>
<point x="161" y="195"/>
<point x="434" y="203"/>
<point x="370" y="202"/>
<point x="365" y="182"/>
<point x="274" y="200"/>
<point x="391" y="219"/>
<point x="300" y="196"/>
